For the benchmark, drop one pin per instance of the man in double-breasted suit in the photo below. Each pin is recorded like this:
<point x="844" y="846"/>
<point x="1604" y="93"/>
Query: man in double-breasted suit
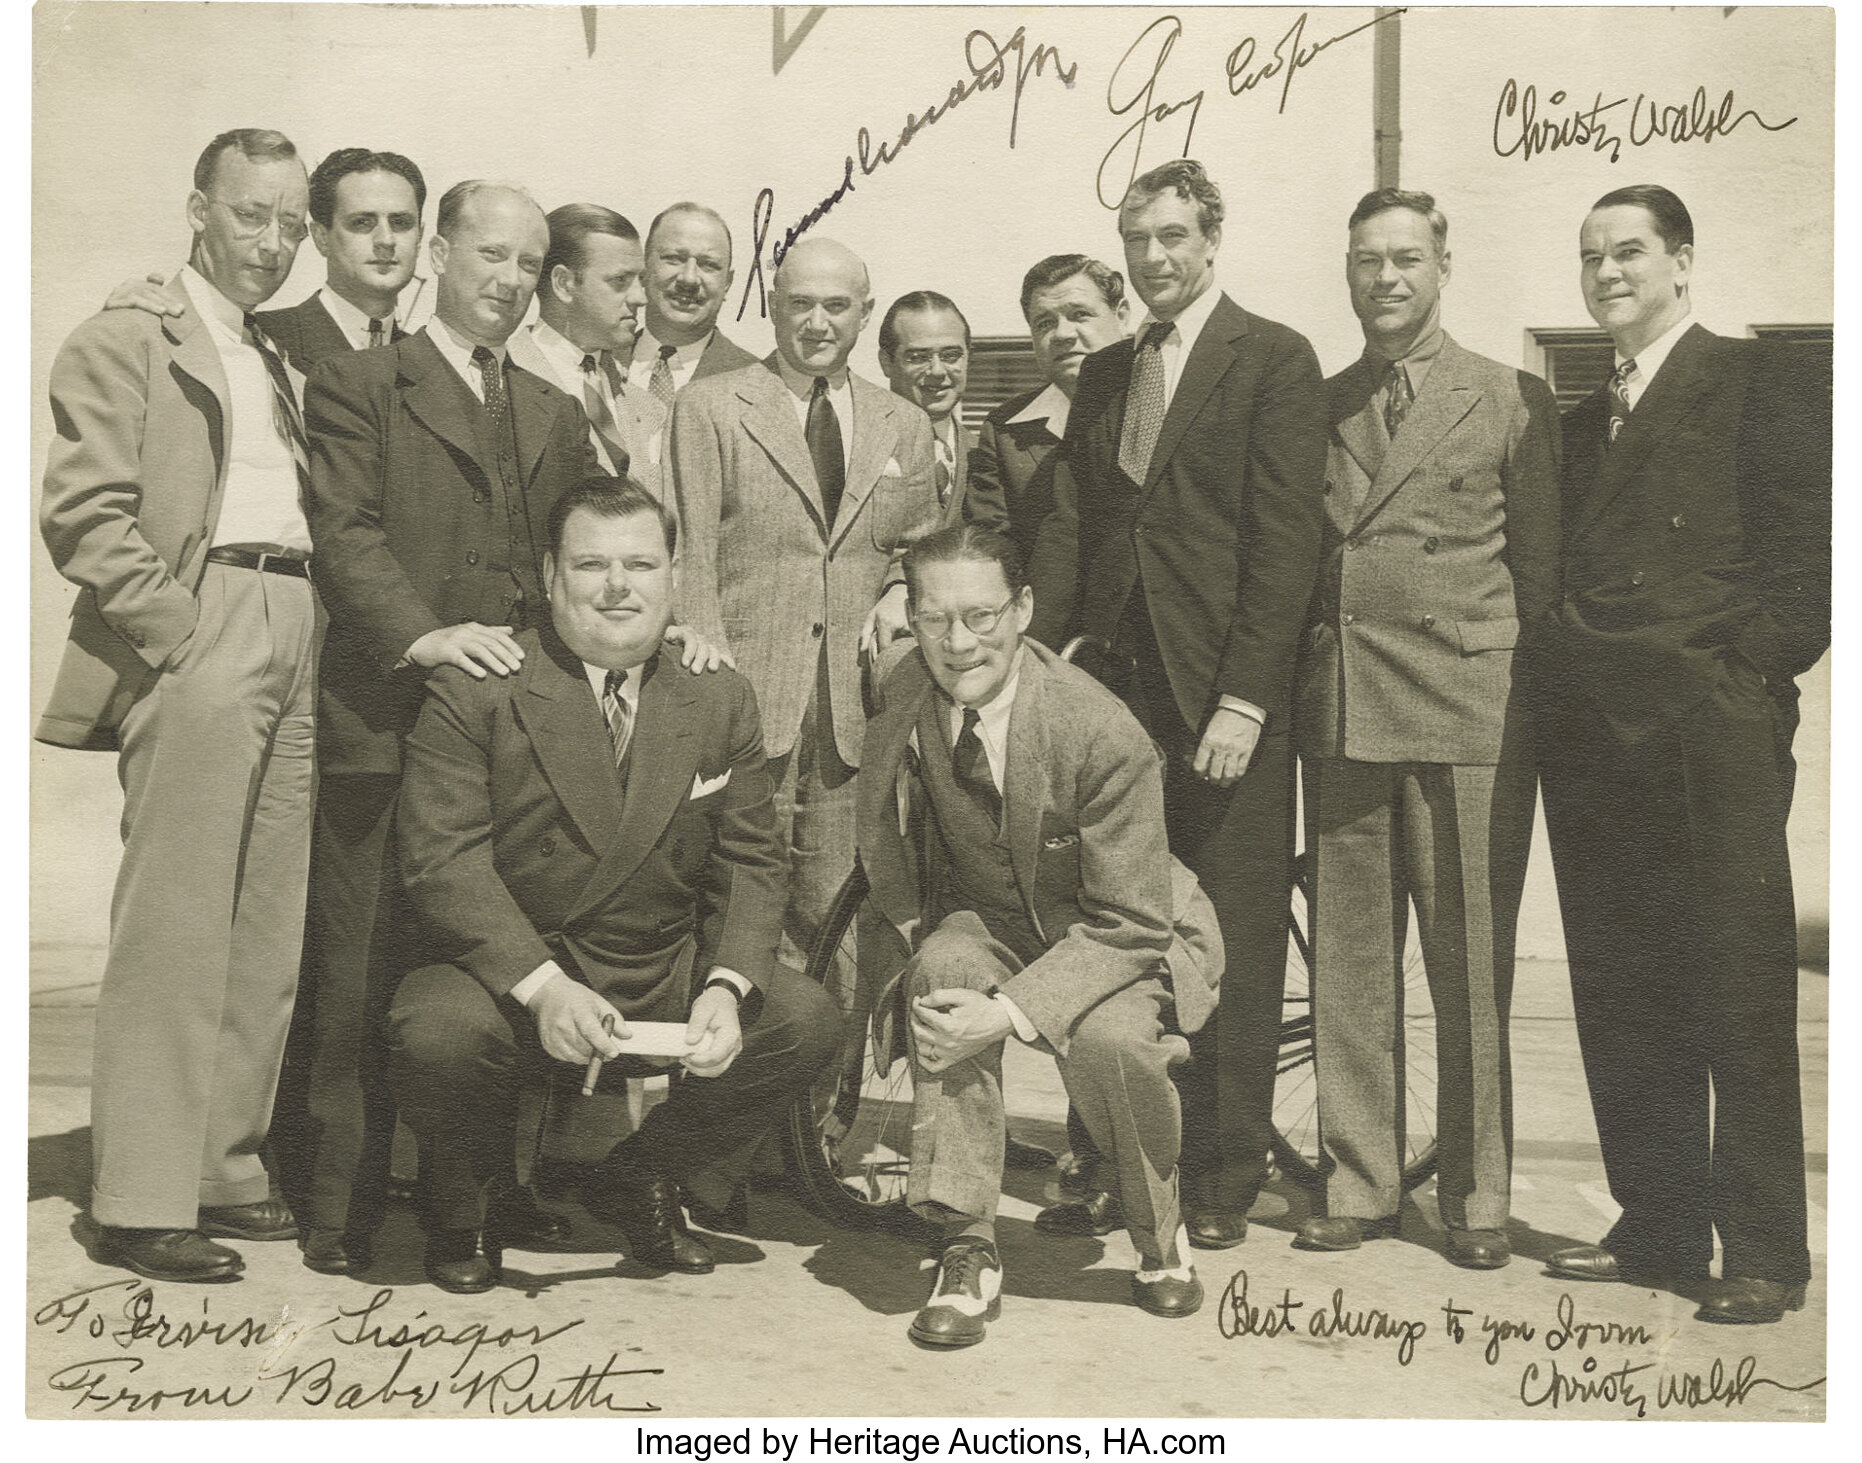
<point x="565" y="833"/>
<point x="1185" y="533"/>
<point x="433" y="468"/>
<point x="799" y="486"/>
<point x="1012" y="827"/>
<point x="173" y="500"/>
<point x="1696" y="589"/>
<point x="924" y="349"/>
<point x="1440" y="557"/>
<point x="1074" y="306"/>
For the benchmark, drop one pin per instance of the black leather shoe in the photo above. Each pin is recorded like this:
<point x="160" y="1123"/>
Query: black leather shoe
<point x="1740" y="1300"/>
<point x="1079" y="1176"/>
<point x="1169" y="1296"/>
<point x="462" y="1261"/>
<point x="331" y="1252"/>
<point x="168" y="1254"/>
<point x="733" y="1218"/>
<point x="1216" y="1229"/>
<point x="1478" y="1249"/>
<point x="1098" y="1213"/>
<point x="645" y="1208"/>
<point x="1594" y="1262"/>
<point x="965" y="1297"/>
<point x="267" y="1219"/>
<point x="514" y="1219"/>
<point x="1341" y="1231"/>
<point x="1025" y="1157"/>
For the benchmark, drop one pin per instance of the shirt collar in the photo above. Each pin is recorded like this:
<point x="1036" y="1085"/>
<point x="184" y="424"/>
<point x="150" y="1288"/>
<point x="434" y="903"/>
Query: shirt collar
<point x="210" y="304"/>
<point x="559" y="348"/>
<point x="1051" y="406"/>
<point x="1419" y="356"/>
<point x="352" y="322"/>
<point x="647" y="348"/>
<point x="1649" y="359"/>
<point x="1195" y="316"/>
<point x="630" y="688"/>
<point x="803" y="386"/>
<point x="458" y="350"/>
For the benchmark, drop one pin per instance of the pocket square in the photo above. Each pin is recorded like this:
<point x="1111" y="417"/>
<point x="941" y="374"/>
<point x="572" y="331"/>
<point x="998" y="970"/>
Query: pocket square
<point x="892" y="469"/>
<point x="703" y="786"/>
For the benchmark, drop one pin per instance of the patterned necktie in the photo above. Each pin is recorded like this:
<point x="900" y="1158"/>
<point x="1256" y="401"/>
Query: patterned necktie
<point x="493" y="373"/>
<point x="620" y="718"/>
<point x="660" y="383"/>
<point x="285" y="418"/>
<point x="600" y="419"/>
<point x="1398" y="394"/>
<point x="824" y="446"/>
<point x="944" y="476"/>
<point x="969" y="764"/>
<point x="1619" y="396"/>
<point x="378" y="334"/>
<point x="1144" y="407"/>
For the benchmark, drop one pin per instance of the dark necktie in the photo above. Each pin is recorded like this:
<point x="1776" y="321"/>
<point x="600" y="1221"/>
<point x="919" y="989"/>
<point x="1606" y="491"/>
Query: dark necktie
<point x="969" y="764"/>
<point x="492" y="372"/>
<point x="1144" y="405"/>
<point x="1619" y="397"/>
<point x="600" y="419"/>
<point x="824" y="446"/>
<point x="620" y="719"/>
<point x="1398" y="395"/>
<point x="660" y="383"/>
<point x="285" y="418"/>
<point x="378" y="333"/>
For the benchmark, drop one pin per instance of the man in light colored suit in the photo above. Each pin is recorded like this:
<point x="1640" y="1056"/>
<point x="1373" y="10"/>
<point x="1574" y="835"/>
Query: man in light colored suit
<point x="1074" y="306"/>
<point x="799" y="486"/>
<point x="566" y="835"/>
<point x="1012" y="825"/>
<point x="1440" y="557"/>
<point x="173" y="499"/>
<point x="924" y="349"/>
<point x="588" y="301"/>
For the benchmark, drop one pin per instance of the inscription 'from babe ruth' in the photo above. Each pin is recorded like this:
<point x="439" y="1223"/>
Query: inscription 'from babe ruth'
<point x="1564" y="1361"/>
<point x="1519" y="131"/>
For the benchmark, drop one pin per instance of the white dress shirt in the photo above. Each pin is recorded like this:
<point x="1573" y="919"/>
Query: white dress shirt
<point x="684" y="360"/>
<point x="526" y="989"/>
<point x="353" y="323"/>
<point x="458" y="351"/>
<point x="840" y="397"/>
<point x="262" y="502"/>
<point x="1051" y="406"/>
<point x="1650" y="358"/>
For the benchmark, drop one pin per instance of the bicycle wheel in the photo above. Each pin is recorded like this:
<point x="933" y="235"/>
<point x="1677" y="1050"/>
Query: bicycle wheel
<point x="1296" y="1086"/>
<point x="850" y="1133"/>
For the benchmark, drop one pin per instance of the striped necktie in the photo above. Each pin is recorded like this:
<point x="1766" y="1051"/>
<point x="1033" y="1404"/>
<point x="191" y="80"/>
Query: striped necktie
<point x="620" y="717"/>
<point x="600" y="418"/>
<point x="286" y="419"/>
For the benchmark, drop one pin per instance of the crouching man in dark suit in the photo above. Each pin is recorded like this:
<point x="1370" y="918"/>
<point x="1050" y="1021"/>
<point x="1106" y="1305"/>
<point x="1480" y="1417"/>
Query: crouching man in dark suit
<point x="564" y="833"/>
<point x="1011" y="822"/>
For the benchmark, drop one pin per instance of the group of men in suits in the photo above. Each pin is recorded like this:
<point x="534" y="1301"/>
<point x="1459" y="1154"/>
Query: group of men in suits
<point x="530" y="826"/>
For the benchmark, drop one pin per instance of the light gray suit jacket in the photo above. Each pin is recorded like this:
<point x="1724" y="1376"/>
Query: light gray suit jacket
<point x="764" y="572"/>
<point x="1440" y="554"/>
<point x="1083" y="808"/>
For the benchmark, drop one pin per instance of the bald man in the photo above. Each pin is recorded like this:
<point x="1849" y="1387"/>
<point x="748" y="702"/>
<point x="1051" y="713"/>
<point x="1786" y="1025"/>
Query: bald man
<point x="799" y="486"/>
<point x="434" y="464"/>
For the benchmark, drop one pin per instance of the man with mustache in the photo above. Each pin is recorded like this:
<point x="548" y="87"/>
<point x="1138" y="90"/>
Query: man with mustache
<point x="1440" y="557"/>
<point x="173" y="499"/>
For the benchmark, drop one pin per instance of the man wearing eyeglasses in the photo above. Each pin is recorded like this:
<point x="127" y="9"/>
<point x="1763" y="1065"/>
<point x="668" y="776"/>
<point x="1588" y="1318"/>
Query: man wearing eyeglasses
<point x="1011" y="821"/>
<point x="924" y="349"/>
<point x="173" y="500"/>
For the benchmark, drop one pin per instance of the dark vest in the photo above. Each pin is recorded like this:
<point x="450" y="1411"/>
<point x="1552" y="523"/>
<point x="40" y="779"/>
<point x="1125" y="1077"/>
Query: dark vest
<point x="512" y="552"/>
<point x="970" y="866"/>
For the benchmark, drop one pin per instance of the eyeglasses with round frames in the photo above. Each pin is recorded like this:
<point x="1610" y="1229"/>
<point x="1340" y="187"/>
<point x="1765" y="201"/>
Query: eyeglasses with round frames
<point x="935" y="624"/>
<point x="252" y="222"/>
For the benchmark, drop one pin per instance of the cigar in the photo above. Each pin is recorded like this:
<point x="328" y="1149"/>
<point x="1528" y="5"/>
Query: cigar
<point x="593" y="1074"/>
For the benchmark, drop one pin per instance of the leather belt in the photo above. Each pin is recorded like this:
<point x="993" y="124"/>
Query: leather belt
<point x="267" y="561"/>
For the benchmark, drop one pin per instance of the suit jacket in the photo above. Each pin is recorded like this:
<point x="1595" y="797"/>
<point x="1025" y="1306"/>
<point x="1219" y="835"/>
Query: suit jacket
<point x="1702" y="534"/>
<point x="401" y="521"/>
<point x="1011" y="486"/>
<point x="764" y="572"/>
<point x="637" y="420"/>
<point x="1442" y="548"/>
<point x="518" y="844"/>
<point x="1083" y="804"/>
<point x="133" y="484"/>
<point x="720" y="354"/>
<point x="1224" y="530"/>
<point x="308" y="334"/>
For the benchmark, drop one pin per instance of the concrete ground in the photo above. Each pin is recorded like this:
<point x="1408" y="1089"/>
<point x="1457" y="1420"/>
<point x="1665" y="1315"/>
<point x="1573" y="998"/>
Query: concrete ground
<point x="803" y="1320"/>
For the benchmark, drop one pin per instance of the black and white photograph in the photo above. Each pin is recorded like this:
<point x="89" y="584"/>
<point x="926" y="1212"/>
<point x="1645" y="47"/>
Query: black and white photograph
<point x="929" y="730"/>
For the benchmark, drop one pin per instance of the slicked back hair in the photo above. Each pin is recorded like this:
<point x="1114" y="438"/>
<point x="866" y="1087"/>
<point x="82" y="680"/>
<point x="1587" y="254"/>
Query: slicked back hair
<point x="1183" y="176"/>
<point x="570" y="227"/>
<point x="1673" y="222"/>
<point x="1381" y="200"/>
<point x="611" y="497"/>
<point x="1058" y="268"/>
<point x="961" y="543"/>
<point x="259" y="144"/>
<point x="921" y="302"/>
<point x="349" y="160"/>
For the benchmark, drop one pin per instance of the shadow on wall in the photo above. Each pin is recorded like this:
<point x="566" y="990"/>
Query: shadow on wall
<point x="1813" y="945"/>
